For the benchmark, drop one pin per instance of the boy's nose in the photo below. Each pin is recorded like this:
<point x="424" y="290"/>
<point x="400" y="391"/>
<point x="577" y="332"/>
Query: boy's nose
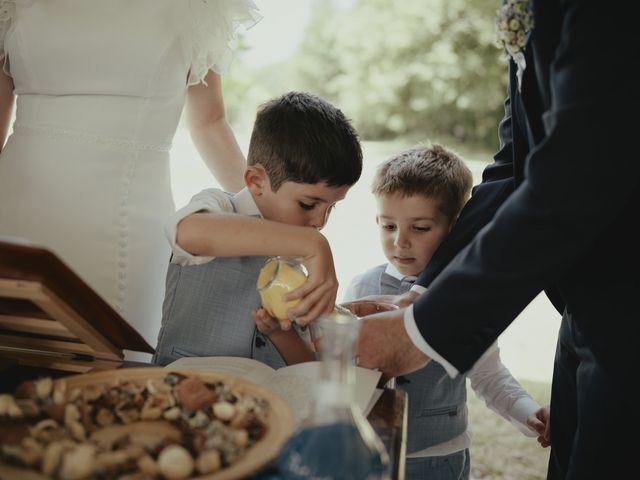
<point x="401" y="240"/>
<point x="318" y="224"/>
<point x="320" y="220"/>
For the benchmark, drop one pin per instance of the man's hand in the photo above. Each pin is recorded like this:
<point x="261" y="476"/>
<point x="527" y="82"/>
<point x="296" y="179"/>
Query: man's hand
<point x="383" y="343"/>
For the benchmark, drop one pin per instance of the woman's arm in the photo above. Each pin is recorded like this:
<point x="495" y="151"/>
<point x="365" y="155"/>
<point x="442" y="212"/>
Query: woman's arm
<point x="212" y="135"/>
<point x="7" y="99"/>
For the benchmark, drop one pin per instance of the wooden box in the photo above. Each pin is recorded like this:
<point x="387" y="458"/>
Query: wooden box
<point x="49" y="317"/>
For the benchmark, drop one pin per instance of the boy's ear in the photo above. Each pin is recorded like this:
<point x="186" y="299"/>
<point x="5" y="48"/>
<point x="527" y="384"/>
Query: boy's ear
<point x="377" y="220"/>
<point x="256" y="179"/>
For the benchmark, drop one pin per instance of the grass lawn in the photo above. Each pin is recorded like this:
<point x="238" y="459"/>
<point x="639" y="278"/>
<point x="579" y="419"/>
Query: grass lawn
<point x="498" y="450"/>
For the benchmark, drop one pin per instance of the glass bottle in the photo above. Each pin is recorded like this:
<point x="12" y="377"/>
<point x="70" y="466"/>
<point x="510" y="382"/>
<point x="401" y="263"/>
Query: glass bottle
<point x="335" y="441"/>
<point x="279" y="276"/>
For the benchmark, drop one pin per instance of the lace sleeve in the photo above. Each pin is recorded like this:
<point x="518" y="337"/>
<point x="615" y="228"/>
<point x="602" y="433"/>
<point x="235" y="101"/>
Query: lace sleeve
<point x="214" y="28"/>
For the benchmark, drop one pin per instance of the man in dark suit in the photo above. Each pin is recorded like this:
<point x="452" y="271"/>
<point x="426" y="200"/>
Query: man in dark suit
<point x="554" y="212"/>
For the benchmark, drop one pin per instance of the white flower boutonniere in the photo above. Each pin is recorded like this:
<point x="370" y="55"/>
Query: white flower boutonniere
<point x="514" y="21"/>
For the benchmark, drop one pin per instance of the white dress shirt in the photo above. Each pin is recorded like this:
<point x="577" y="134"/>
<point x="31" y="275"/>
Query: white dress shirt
<point x="211" y="200"/>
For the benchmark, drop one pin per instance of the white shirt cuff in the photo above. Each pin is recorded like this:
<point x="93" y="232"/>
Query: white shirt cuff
<point x="419" y="289"/>
<point x="420" y="343"/>
<point x="520" y="411"/>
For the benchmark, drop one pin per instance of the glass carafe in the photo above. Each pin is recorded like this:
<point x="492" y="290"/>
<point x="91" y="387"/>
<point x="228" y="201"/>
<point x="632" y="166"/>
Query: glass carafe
<point x="335" y="441"/>
<point x="279" y="276"/>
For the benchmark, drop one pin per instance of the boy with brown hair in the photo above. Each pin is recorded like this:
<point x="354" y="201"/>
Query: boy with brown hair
<point x="303" y="158"/>
<point x="419" y="195"/>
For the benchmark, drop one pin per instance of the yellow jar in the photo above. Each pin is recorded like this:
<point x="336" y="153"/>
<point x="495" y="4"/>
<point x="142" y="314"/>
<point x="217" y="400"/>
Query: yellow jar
<point x="277" y="277"/>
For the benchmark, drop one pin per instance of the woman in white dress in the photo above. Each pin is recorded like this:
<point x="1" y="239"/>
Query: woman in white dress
<point x="100" y="88"/>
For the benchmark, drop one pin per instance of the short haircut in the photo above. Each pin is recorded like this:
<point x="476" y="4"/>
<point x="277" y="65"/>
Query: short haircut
<point x="433" y="172"/>
<point x="302" y="138"/>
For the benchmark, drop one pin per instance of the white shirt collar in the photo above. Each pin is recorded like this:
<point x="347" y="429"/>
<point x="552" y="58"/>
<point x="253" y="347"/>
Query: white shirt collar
<point x="245" y="204"/>
<point x="393" y="271"/>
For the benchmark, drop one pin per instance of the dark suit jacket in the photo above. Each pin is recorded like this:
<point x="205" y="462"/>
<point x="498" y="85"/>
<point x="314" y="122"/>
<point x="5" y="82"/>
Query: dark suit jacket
<point x="556" y="208"/>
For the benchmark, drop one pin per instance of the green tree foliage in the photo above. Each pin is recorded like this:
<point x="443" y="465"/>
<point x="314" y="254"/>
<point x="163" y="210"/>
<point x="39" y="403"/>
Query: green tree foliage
<point x="409" y="67"/>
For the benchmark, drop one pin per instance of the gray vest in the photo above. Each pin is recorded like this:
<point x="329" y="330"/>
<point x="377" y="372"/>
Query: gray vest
<point x="437" y="402"/>
<point x="207" y="312"/>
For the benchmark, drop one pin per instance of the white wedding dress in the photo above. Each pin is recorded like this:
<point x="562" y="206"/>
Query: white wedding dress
<point x="100" y="88"/>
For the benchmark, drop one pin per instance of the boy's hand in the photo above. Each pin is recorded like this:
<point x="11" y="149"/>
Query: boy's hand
<point x="318" y="294"/>
<point x="539" y="423"/>
<point x="265" y="323"/>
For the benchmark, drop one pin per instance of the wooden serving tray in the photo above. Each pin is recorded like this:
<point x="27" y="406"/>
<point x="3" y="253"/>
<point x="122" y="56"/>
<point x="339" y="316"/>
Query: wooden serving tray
<point x="280" y="423"/>
<point x="49" y="317"/>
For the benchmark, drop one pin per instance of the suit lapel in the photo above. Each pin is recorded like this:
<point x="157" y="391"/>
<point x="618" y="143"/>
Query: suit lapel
<point x="547" y="17"/>
<point x="539" y="54"/>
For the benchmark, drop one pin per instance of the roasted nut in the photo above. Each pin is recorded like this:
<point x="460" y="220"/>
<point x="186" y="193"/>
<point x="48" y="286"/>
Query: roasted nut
<point x="208" y="462"/>
<point x="56" y="412"/>
<point x="44" y="387"/>
<point x="42" y="429"/>
<point x="9" y="407"/>
<point x="92" y="392"/>
<point x="51" y="458"/>
<point x="71" y="414"/>
<point x="197" y="442"/>
<point x="174" y="462"/>
<point x="194" y="395"/>
<point x="155" y="405"/>
<point x="157" y="385"/>
<point x="59" y="392"/>
<point x="77" y="431"/>
<point x="78" y="462"/>
<point x="172" y="413"/>
<point x="199" y="420"/>
<point x="108" y="462"/>
<point x="244" y="416"/>
<point x="148" y="466"/>
<point x="127" y="413"/>
<point x="26" y="389"/>
<point x="241" y="438"/>
<point x="104" y="417"/>
<point x="28" y="407"/>
<point x="224" y="411"/>
<point x="74" y="394"/>
<point x="32" y="451"/>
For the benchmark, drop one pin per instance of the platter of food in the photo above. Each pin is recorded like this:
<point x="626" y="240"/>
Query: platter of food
<point x="140" y="423"/>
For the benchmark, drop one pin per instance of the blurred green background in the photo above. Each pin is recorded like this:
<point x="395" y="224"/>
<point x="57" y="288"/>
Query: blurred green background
<point x="398" y="69"/>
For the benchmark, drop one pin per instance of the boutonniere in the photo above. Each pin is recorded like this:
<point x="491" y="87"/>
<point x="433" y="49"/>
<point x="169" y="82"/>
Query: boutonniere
<point x="514" y="21"/>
